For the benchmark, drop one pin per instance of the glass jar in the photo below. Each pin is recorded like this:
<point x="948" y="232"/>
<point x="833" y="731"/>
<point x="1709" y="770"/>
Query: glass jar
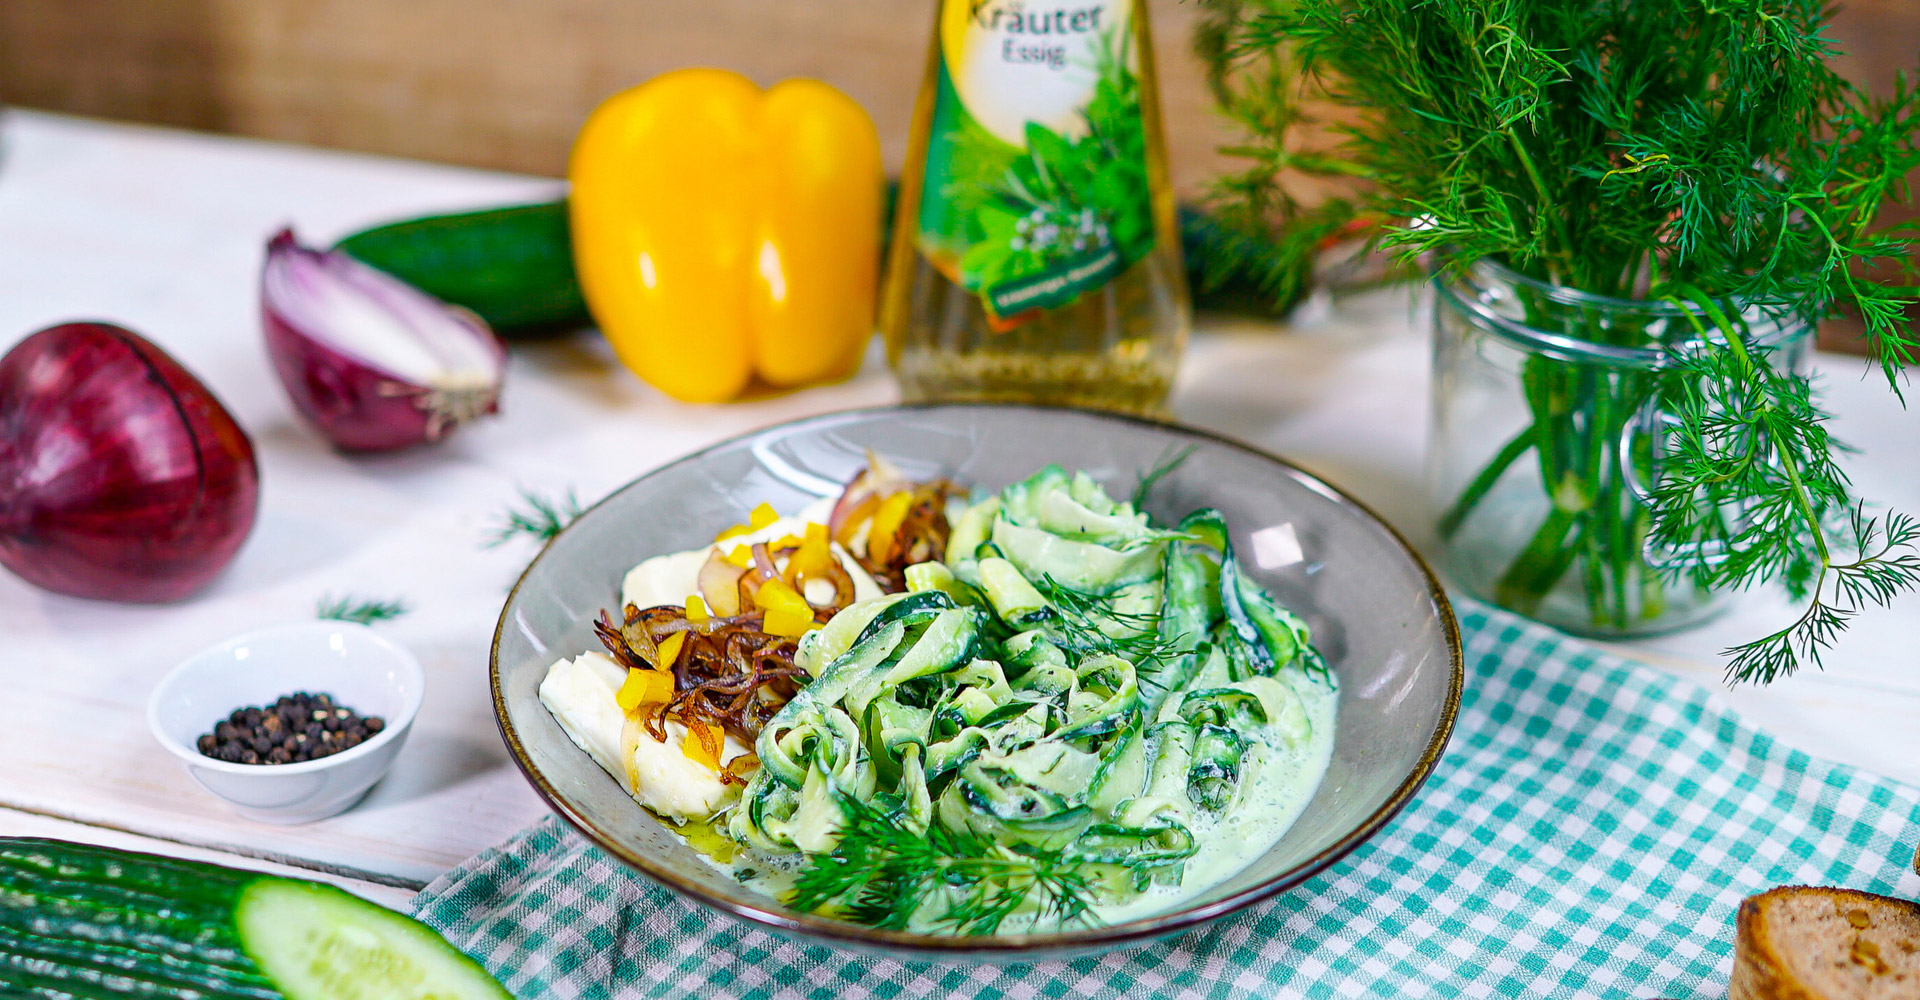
<point x="1550" y="407"/>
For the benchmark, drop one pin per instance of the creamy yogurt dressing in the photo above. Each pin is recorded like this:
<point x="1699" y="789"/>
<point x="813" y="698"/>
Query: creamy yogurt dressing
<point x="1280" y="782"/>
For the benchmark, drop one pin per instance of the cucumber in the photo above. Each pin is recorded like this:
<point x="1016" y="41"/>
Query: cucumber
<point x="79" y="922"/>
<point x="512" y="266"/>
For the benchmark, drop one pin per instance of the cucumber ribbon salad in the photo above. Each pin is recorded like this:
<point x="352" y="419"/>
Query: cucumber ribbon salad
<point x="916" y="711"/>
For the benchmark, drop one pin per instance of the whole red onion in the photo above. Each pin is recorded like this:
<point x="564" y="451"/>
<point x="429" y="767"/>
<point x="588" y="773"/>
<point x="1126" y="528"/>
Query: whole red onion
<point x="121" y="476"/>
<point x="375" y="363"/>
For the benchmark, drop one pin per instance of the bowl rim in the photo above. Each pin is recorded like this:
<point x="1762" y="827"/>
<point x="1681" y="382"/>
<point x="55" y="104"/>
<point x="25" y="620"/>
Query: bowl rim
<point x="401" y="656"/>
<point x="1139" y="930"/>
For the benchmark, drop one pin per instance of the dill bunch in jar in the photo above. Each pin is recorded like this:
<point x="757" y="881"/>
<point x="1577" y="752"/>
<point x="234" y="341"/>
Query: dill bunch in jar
<point x="1638" y="209"/>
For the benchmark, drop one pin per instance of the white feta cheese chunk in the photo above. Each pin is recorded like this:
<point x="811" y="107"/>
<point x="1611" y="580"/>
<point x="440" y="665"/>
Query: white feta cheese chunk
<point x="581" y="694"/>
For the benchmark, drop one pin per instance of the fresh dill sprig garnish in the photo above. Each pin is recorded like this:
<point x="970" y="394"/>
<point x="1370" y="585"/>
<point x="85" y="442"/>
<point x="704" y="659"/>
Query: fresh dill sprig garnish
<point x="882" y="872"/>
<point x="1085" y="624"/>
<point x="1661" y="150"/>
<point x="1883" y="560"/>
<point x="1756" y="433"/>
<point x="539" y="518"/>
<point x="359" y="610"/>
<point x="1170" y="461"/>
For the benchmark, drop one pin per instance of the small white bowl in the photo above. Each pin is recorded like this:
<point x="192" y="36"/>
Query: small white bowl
<point x="360" y="669"/>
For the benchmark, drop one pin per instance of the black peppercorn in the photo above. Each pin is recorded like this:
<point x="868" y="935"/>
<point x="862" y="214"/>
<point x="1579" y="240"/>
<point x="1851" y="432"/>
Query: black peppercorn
<point x="292" y="728"/>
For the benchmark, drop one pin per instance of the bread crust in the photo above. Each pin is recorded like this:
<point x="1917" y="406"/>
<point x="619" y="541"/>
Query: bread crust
<point x="1760" y="972"/>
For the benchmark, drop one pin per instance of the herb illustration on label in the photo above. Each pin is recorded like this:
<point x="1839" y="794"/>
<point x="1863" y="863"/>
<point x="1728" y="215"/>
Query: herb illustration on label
<point x="1036" y="186"/>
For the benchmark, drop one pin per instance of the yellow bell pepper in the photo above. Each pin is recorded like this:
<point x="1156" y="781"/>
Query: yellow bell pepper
<point x="670" y="650"/>
<point x="722" y="232"/>
<point x="812" y="557"/>
<point x="704" y="744"/>
<point x="788" y="613"/>
<point x="762" y="516"/>
<point x="886" y="524"/>
<point x="644" y="687"/>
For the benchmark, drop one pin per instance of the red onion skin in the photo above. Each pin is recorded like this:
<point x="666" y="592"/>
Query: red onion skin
<point x="122" y="478"/>
<point x="356" y="406"/>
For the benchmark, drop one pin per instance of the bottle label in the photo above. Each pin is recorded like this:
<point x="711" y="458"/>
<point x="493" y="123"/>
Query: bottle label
<point x="1035" y="188"/>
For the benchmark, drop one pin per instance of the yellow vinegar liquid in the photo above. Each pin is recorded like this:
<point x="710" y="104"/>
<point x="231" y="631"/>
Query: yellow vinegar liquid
<point x="1115" y="347"/>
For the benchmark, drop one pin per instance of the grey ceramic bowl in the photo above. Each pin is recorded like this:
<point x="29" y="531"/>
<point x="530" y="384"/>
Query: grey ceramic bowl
<point x="1376" y="611"/>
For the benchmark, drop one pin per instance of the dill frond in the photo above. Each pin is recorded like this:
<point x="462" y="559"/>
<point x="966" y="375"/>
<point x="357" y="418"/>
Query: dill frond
<point x="1086" y="624"/>
<point x="359" y="610"/>
<point x="539" y="518"/>
<point x="882" y="872"/>
<point x="1170" y="462"/>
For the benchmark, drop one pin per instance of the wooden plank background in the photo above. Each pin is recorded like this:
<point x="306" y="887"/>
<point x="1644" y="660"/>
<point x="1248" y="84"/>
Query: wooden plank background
<point x="495" y="83"/>
<point x="506" y="83"/>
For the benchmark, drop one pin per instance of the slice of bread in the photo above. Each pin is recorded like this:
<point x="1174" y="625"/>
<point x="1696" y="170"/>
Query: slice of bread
<point x="1804" y="943"/>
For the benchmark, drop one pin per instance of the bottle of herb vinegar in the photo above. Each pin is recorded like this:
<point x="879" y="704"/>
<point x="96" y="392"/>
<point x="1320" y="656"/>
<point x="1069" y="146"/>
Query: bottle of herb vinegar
<point x="1035" y="253"/>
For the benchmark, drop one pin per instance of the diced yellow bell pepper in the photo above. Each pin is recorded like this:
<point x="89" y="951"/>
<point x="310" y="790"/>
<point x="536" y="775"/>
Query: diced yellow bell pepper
<point x="886" y="524"/>
<point x="763" y="515"/>
<point x="741" y="556"/>
<point x="722" y="232"/>
<point x="644" y="687"/>
<point x="670" y="651"/>
<point x="788" y="613"/>
<point x="704" y="744"/>
<point x="697" y="610"/>
<point x="813" y="558"/>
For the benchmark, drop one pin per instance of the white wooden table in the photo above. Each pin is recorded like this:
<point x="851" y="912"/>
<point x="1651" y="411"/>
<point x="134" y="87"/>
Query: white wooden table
<point x="162" y="231"/>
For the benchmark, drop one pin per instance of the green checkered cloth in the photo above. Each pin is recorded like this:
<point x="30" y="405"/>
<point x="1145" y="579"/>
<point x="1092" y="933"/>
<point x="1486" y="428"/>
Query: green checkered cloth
<point x="1588" y="834"/>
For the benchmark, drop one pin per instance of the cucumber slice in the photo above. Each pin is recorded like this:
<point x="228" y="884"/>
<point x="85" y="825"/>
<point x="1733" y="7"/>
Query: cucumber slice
<point x="1016" y="600"/>
<point x="936" y="576"/>
<point x="316" y="942"/>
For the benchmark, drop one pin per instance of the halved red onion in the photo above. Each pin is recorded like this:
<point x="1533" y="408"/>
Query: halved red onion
<point x="122" y="478"/>
<point x="375" y="363"/>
